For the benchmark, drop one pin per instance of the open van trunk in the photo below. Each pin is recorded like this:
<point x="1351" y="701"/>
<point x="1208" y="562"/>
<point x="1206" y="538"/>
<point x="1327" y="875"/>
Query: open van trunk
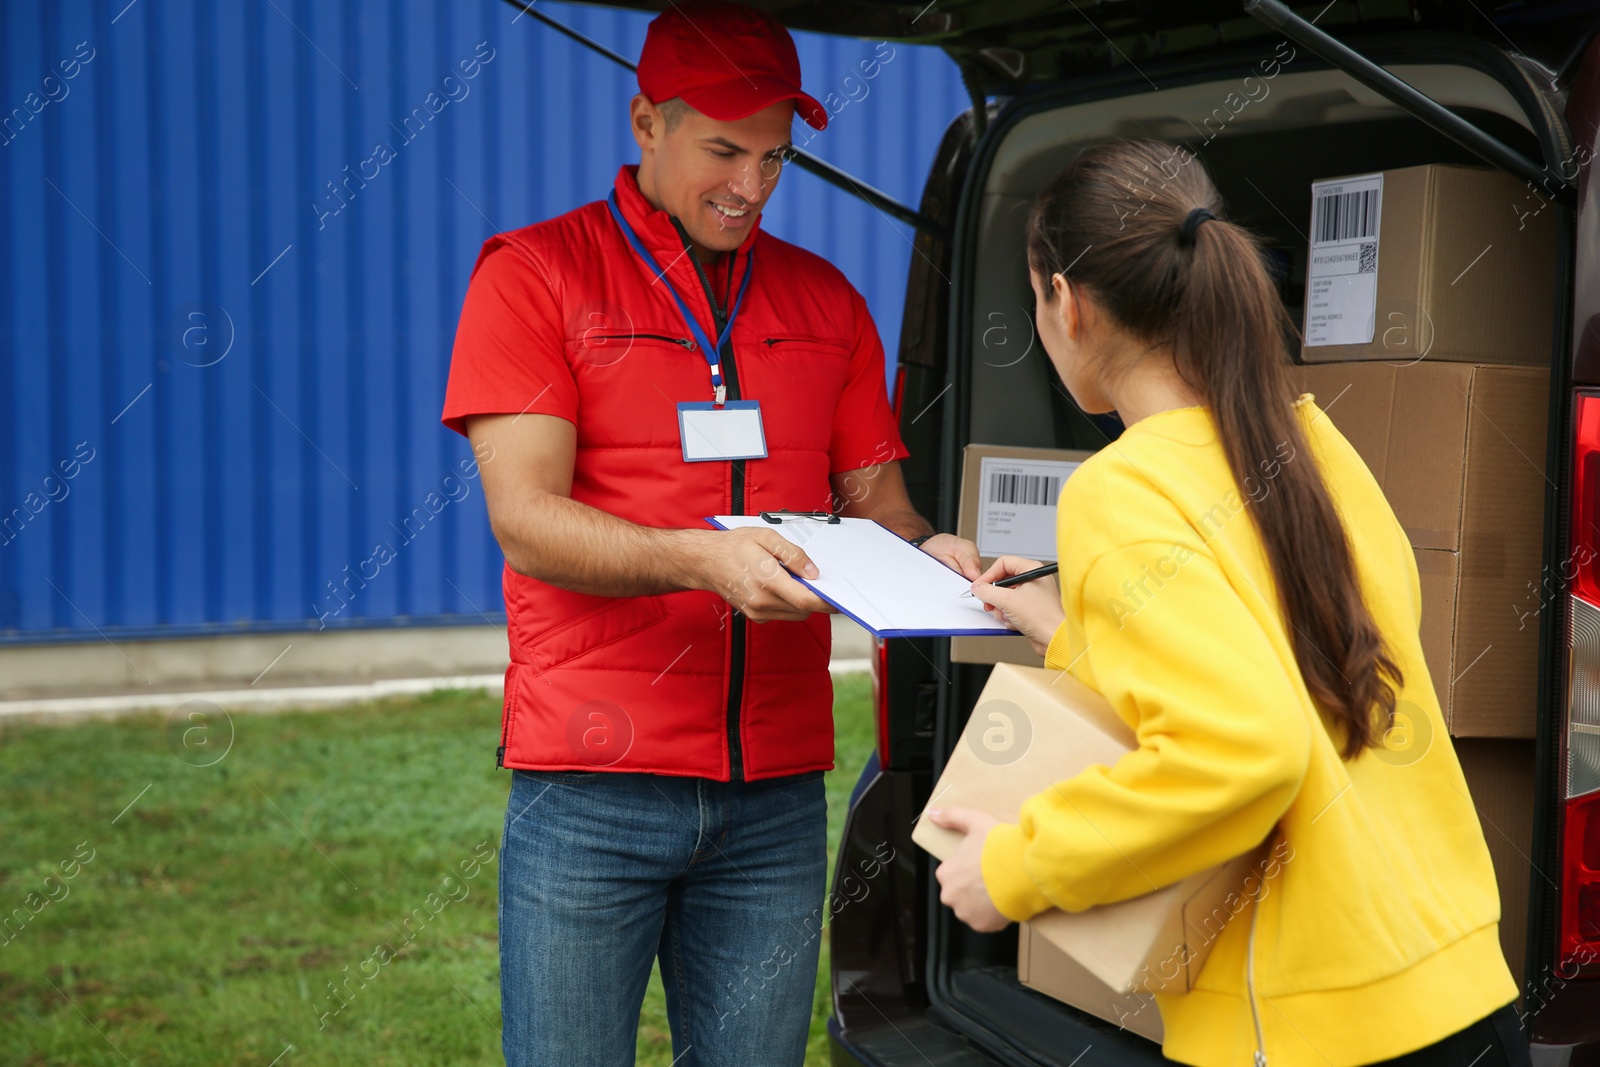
<point x="1304" y="122"/>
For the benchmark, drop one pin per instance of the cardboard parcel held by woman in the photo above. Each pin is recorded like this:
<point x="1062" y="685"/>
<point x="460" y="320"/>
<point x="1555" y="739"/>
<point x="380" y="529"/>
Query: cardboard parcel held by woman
<point x="1034" y="727"/>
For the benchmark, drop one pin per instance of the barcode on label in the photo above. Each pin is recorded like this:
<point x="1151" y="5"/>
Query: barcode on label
<point x="1033" y="489"/>
<point x="1345" y="216"/>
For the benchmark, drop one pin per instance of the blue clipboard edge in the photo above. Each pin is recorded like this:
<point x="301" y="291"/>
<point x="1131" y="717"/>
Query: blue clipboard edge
<point x="888" y="633"/>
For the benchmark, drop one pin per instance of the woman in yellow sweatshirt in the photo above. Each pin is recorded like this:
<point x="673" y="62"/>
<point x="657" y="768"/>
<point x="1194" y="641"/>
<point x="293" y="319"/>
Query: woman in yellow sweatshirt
<point x="1233" y="581"/>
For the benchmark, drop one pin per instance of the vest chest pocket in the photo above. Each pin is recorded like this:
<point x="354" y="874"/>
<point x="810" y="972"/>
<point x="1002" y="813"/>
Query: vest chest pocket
<point x="627" y="380"/>
<point x="806" y="363"/>
<point x="603" y="346"/>
<point x="798" y="378"/>
<point x="833" y="346"/>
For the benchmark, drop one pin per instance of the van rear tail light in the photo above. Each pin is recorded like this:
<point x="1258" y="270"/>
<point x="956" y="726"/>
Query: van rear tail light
<point x="1578" y="949"/>
<point x="1580" y="904"/>
<point x="1583" y="566"/>
<point x="1583" y="703"/>
<point x="880" y="696"/>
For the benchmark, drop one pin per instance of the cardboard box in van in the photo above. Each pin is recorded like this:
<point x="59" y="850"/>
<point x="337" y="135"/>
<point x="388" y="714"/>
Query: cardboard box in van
<point x="1008" y="508"/>
<point x="1459" y="451"/>
<point x="1030" y="729"/>
<point x="1500" y="780"/>
<point x="1446" y="262"/>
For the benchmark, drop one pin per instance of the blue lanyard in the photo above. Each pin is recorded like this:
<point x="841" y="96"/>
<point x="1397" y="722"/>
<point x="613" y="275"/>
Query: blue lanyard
<point x="712" y="352"/>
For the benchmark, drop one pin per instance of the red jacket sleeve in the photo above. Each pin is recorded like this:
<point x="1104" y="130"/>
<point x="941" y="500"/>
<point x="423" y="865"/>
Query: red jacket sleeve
<point x="510" y="352"/>
<point x="864" y="429"/>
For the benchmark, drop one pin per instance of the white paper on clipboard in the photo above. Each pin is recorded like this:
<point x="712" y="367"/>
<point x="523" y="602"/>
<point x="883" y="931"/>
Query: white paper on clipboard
<point x="879" y="579"/>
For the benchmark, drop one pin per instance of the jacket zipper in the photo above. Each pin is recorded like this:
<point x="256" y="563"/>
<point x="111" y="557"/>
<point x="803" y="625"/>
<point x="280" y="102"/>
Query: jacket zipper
<point x="740" y="631"/>
<point x="686" y="342"/>
<point x="1250" y="985"/>
<point x="505" y="729"/>
<point x="737" y="631"/>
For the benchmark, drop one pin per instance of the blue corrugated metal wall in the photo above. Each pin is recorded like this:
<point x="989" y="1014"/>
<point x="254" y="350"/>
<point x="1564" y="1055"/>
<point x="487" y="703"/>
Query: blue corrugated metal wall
<point x="221" y="382"/>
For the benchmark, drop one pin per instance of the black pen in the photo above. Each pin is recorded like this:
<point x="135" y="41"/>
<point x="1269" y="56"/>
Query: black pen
<point x="1025" y="576"/>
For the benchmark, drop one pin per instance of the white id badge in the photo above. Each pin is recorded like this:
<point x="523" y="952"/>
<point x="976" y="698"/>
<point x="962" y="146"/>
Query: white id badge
<point x="732" y="431"/>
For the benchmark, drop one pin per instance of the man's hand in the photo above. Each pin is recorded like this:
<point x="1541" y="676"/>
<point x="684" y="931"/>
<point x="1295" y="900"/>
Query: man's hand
<point x="955" y="552"/>
<point x="753" y="570"/>
<point x="960" y="877"/>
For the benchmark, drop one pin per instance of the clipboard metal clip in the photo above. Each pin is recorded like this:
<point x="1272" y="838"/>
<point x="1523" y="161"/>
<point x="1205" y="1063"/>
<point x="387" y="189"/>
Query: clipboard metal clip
<point x="777" y="517"/>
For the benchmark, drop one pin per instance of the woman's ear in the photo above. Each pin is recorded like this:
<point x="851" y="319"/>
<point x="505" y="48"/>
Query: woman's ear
<point x="1066" y="307"/>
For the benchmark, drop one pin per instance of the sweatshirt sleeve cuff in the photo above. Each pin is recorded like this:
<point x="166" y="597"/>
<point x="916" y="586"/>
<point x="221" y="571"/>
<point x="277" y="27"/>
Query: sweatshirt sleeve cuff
<point x="1013" y="892"/>
<point x="1055" y="656"/>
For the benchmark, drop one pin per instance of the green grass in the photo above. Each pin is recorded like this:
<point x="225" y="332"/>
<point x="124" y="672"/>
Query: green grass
<point x="216" y="908"/>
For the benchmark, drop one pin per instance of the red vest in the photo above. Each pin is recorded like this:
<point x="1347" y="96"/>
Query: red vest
<point x="670" y="684"/>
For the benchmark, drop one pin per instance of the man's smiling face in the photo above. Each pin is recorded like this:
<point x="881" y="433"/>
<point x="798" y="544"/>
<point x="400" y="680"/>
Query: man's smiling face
<point x="714" y="176"/>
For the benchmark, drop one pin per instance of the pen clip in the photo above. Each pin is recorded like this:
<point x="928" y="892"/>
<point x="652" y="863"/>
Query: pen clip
<point x="776" y="517"/>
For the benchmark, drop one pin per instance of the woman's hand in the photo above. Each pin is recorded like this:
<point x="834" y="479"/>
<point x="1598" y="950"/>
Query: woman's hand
<point x="1032" y="608"/>
<point x="960" y="877"/>
<point x="955" y="552"/>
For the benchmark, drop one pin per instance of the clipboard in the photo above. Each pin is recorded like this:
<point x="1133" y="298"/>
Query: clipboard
<point x="875" y="576"/>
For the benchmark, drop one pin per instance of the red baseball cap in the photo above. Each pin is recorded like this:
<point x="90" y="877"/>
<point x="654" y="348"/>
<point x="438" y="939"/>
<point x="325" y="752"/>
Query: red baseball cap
<point x="727" y="61"/>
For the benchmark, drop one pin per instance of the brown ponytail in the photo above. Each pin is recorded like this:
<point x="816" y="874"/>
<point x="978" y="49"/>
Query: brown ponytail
<point x="1113" y="223"/>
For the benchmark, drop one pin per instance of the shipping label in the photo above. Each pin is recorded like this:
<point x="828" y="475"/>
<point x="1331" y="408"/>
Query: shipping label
<point x="1017" y="506"/>
<point x="1342" y="277"/>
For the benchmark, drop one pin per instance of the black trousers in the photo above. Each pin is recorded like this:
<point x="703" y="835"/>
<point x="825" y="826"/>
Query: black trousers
<point x="1496" y="1040"/>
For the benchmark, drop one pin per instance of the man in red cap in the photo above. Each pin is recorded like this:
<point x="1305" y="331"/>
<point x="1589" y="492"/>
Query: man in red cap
<point x="624" y="371"/>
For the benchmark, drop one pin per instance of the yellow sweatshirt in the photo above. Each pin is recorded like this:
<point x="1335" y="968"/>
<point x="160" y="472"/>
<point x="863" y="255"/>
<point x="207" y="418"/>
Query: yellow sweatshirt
<point x="1378" y="933"/>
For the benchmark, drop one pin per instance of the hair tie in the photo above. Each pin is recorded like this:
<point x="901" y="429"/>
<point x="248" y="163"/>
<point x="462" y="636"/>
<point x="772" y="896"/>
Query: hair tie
<point x="1191" y="223"/>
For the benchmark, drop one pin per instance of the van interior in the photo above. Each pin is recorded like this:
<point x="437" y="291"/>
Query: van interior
<point x="1263" y="157"/>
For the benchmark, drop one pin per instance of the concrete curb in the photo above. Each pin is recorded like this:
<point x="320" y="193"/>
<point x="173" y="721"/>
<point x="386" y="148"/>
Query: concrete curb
<point x="308" y="697"/>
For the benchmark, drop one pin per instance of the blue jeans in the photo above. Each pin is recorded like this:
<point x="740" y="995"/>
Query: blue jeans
<point x="602" y="872"/>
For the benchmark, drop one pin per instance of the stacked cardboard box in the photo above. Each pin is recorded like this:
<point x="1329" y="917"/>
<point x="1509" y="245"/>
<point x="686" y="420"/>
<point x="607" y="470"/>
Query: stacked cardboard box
<point x="1500" y="779"/>
<point x="1428" y="325"/>
<point x="1439" y="262"/>
<point x="1459" y="451"/>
